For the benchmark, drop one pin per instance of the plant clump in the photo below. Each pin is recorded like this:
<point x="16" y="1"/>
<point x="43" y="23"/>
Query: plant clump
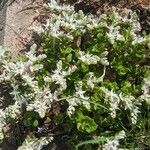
<point x="95" y="71"/>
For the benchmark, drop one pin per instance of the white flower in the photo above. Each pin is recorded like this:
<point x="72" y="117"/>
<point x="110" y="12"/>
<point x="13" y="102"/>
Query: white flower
<point x="145" y="97"/>
<point x="1" y="134"/>
<point x="31" y="55"/>
<point x="114" y="34"/>
<point x="38" y="106"/>
<point x="73" y="102"/>
<point x="92" y="79"/>
<point x="146" y="86"/>
<point x="88" y="58"/>
<point x="136" y="26"/>
<point x="134" y="114"/>
<point x="41" y="57"/>
<point x="9" y="67"/>
<point x="77" y="99"/>
<point x="36" y="28"/>
<point x="12" y="69"/>
<point x="15" y="92"/>
<point x="53" y="5"/>
<point x="2" y="53"/>
<point x="120" y="135"/>
<point x="43" y="99"/>
<point x="112" y="144"/>
<point x="36" y="67"/>
<point x="79" y="91"/>
<point x="47" y="79"/>
<point x="20" y="67"/>
<point x="71" y="70"/>
<point x="2" y="118"/>
<point x="53" y="27"/>
<point x="103" y="59"/>
<point x="13" y="111"/>
<point x="128" y="101"/>
<point x="146" y="90"/>
<point x="59" y="76"/>
<point x="34" y="143"/>
<point x="138" y="40"/>
<point x="112" y="99"/>
<point x="131" y="103"/>
<point x="82" y="99"/>
<point x="30" y="80"/>
<point x="93" y="22"/>
<point x="93" y="59"/>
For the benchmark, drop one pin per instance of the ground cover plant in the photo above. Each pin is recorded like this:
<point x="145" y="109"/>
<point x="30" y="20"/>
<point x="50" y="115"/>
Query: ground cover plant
<point x="91" y="80"/>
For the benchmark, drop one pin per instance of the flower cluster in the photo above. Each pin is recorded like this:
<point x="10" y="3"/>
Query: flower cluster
<point x="78" y="98"/>
<point x="12" y="112"/>
<point x="35" y="144"/>
<point x="133" y="105"/>
<point x="93" y="59"/>
<point x="112" y="144"/>
<point x="112" y="99"/>
<point x="146" y="90"/>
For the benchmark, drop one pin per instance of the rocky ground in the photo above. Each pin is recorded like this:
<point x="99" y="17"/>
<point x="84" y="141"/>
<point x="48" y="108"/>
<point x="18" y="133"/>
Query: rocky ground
<point x="2" y="21"/>
<point x="16" y="16"/>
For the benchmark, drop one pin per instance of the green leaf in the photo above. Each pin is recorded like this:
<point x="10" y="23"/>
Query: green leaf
<point x="35" y="123"/>
<point x="86" y="124"/>
<point x="79" y="115"/>
<point x="97" y="140"/>
<point x="122" y="70"/>
<point x="67" y="50"/>
<point x="30" y="119"/>
<point x="58" y="119"/>
<point x="126" y="87"/>
<point x="69" y="58"/>
<point x="84" y="67"/>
